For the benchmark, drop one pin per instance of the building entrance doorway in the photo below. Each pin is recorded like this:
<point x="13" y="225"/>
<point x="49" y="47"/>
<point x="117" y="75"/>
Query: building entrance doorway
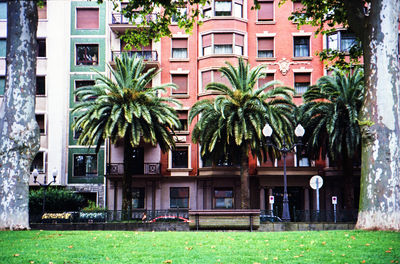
<point x="296" y="200"/>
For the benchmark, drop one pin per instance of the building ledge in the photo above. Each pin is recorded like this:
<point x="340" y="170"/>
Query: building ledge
<point x="219" y="171"/>
<point x="269" y="171"/>
<point x="301" y="58"/>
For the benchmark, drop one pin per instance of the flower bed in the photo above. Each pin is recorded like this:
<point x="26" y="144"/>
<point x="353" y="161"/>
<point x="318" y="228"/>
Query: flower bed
<point x="92" y="217"/>
<point x="57" y="217"/>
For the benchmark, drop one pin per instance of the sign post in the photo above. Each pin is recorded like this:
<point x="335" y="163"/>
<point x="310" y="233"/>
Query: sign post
<point x="334" y="202"/>
<point x="316" y="182"/>
<point x="271" y="203"/>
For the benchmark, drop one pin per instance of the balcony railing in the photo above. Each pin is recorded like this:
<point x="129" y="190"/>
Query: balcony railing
<point x="147" y="55"/>
<point x="119" y="18"/>
<point x="115" y="169"/>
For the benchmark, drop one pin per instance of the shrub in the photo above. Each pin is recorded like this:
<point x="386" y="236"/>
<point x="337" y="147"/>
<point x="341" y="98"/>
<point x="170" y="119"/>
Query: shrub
<point x="57" y="200"/>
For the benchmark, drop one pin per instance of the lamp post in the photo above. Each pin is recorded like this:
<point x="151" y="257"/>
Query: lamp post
<point x="285" y="149"/>
<point x="45" y="185"/>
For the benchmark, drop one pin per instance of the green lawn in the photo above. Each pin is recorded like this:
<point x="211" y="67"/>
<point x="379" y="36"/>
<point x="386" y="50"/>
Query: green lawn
<point x="199" y="247"/>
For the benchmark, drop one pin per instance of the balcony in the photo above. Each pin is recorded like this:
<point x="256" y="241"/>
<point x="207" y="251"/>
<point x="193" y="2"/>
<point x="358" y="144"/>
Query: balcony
<point x="116" y="170"/>
<point x="149" y="56"/>
<point x="119" y="23"/>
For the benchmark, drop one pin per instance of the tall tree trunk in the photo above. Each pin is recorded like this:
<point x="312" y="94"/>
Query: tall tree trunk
<point x="19" y="132"/>
<point x="127" y="180"/>
<point x="244" y="179"/>
<point x="347" y="166"/>
<point x="380" y="172"/>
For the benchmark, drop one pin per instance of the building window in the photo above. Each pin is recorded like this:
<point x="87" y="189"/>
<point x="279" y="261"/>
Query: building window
<point x="83" y="83"/>
<point x="85" y="165"/>
<point x="266" y="11"/>
<point x="40" y="85"/>
<point x="87" y="54"/>
<point x="3" y="47"/>
<point x="39" y="162"/>
<point x="42" y="11"/>
<point x="138" y="198"/>
<point x="268" y="78"/>
<point x="179" y="197"/>
<point x="301" y="82"/>
<point x="2" y="85"/>
<point x="228" y="160"/>
<point x="41" y="47"/>
<point x="183" y="119"/>
<point x="265" y="47"/>
<point x="180" y="157"/>
<point x="3" y="10"/>
<point x="179" y="48"/>
<point x="182" y="11"/>
<point x="87" y="18"/>
<point x="41" y="122"/>
<point x="213" y="76"/>
<point x="302" y="160"/>
<point x="223" y="198"/>
<point x="341" y="40"/>
<point x="301" y="46"/>
<point x="223" y="43"/>
<point x="181" y="80"/>
<point x="298" y="6"/>
<point x="223" y="8"/>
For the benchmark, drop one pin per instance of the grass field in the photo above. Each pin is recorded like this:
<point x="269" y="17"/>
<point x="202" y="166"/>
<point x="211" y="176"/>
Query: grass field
<point x="199" y="247"/>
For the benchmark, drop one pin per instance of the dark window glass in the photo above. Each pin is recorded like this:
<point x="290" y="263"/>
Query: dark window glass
<point x="41" y="47"/>
<point x="40" y="85"/>
<point x="85" y="165"/>
<point x="87" y="54"/>
<point x="38" y="162"/>
<point x="223" y="198"/>
<point x="2" y="85"/>
<point x="3" y="47"/>
<point x="138" y="198"/>
<point x="179" y="197"/>
<point x="301" y="46"/>
<point x="82" y="83"/>
<point x="41" y="123"/>
<point x="180" y="157"/>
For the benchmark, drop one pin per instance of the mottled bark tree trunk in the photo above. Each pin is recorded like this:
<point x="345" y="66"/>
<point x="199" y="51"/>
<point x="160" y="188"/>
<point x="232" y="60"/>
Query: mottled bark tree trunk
<point x="19" y="132"/>
<point x="127" y="180"/>
<point x="244" y="179"/>
<point x="380" y="172"/>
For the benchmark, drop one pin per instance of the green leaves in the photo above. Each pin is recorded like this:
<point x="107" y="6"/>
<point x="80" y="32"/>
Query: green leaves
<point x="125" y="108"/>
<point x="331" y="112"/>
<point x="235" y="118"/>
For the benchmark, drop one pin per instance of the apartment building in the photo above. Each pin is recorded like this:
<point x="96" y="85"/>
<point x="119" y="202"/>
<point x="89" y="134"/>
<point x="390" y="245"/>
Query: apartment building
<point x="231" y="29"/>
<point x="76" y="36"/>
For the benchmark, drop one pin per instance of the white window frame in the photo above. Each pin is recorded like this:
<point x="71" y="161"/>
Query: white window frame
<point x="189" y="148"/>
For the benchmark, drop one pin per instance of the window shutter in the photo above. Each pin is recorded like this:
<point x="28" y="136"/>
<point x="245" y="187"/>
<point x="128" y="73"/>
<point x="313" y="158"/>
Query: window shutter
<point x="218" y="77"/>
<point x="206" y="40"/>
<point x="181" y="81"/>
<point x="297" y="6"/>
<point x="265" y="43"/>
<point x="302" y="78"/>
<point x="87" y="18"/>
<point x="205" y="78"/>
<point x="239" y="40"/>
<point x="182" y="114"/>
<point x="266" y="11"/>
<point x="263" y="81"/>
<point x="223" y="39"/>
<point x="179" y="43"/>
<point x="42" y="12"/>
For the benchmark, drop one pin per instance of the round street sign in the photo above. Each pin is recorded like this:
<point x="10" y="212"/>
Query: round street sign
<point x="316" y="181"/>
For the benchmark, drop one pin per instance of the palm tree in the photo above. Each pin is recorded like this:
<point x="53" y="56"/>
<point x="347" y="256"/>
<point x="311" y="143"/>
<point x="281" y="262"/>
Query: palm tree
<point x="232" y="122"/>
<point x="331" y="115"/>
<point x="126" y="108"/>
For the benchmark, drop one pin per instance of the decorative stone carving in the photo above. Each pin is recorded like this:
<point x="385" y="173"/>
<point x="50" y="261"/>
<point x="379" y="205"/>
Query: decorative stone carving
<point x="284" y="64"/>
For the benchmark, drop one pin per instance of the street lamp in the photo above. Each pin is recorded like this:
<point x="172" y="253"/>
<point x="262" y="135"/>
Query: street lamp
<point x="45" y="185"/>
<point x="285" y="149"/>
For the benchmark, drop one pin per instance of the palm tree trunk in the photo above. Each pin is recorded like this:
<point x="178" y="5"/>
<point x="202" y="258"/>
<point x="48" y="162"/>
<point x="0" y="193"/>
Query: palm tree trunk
<point x="348" y="184"/>
<point x="244" y="179"/>
<point x="127" y="181"/>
